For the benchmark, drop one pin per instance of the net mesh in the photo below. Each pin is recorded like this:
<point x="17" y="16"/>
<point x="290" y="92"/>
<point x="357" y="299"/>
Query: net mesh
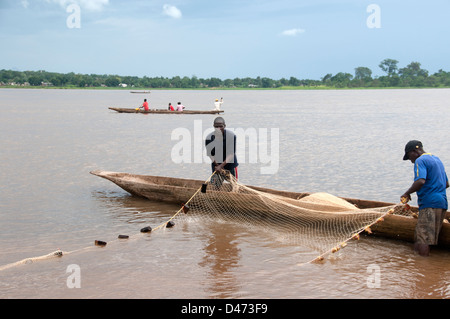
<point x="320" y="222"/>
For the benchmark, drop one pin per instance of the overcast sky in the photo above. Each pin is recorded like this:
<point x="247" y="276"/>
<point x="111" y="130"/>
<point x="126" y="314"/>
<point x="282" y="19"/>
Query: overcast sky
<point x="222" y="38"/>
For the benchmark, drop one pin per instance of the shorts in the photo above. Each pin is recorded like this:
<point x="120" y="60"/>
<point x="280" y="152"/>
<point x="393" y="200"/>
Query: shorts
<point x="429" y="225"/>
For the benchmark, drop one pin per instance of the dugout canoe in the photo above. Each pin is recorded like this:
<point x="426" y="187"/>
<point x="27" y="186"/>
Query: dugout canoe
<point x="180" y="190"/>
<point x="162" y="111"/>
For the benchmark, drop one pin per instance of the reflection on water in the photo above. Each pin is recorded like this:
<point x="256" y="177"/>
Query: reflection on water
<point x="222" y="254"/>
<point x="348" y="143"/>
<point x="132" y="209"/>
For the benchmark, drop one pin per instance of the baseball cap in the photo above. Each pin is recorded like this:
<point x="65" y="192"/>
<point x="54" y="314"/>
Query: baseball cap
<point x="410" y="146"/>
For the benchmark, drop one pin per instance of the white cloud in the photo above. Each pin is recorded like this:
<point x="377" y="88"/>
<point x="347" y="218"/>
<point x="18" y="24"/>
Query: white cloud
<point x="90" y="5"/>
<point x="292" y="32"/>
<point x="93" y="5"/>
<point x="25" y="3"/>
<point x="172" y="11"/>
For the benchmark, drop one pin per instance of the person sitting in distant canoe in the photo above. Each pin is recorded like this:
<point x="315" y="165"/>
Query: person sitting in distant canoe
<point x="218" y="104"/>
<point x="170" y="107"/>
<point x="145" y="105"/>
<point x="180" y="107"/>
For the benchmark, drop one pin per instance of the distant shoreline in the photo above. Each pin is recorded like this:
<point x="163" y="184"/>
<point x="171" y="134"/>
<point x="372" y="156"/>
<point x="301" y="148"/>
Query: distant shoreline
<point x="282" y="88"/>
<point x="410" y="77"/>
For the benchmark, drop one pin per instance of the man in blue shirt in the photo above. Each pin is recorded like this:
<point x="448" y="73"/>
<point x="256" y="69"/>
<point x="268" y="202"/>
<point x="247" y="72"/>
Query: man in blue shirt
<point x="430" y="184"/>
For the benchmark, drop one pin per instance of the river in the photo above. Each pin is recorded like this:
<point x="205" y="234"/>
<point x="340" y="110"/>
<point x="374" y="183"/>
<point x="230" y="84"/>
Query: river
<point x="345" y="142"/>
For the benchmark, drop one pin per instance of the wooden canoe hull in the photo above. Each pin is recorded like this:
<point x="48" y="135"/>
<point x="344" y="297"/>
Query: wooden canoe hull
<point x="162" y="111"/>
<point x="179" y="191"/>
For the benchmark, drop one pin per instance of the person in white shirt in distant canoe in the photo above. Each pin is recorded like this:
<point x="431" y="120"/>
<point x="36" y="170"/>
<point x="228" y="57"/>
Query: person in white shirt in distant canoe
<point x="180" y="107"/>
<point x="218" y="104"/>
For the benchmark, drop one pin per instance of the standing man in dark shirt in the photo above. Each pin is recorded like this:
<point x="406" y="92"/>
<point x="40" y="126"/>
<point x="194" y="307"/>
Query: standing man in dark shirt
<point x="221" y="148"/>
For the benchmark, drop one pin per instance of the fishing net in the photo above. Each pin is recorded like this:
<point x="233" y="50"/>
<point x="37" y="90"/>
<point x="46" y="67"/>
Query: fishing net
<point x="321" y="222"/>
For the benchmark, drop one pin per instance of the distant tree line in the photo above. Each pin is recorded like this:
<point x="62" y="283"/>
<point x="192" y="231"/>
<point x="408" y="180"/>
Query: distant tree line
<point x="410" y="76"/>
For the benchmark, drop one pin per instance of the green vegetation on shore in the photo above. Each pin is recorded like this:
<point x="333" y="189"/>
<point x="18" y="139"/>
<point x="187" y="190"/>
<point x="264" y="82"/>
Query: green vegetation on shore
<point x="411" y="76"/>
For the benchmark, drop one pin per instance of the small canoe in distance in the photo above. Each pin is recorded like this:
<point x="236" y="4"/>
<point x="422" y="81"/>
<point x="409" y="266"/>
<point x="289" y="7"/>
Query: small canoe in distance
<point x="140" y="92"/>
<point x="179" y="190"/>
<point x="162" y="111"/>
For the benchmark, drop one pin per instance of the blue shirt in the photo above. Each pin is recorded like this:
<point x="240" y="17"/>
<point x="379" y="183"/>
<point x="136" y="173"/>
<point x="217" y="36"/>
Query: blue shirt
<point x="433" y="192"/>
